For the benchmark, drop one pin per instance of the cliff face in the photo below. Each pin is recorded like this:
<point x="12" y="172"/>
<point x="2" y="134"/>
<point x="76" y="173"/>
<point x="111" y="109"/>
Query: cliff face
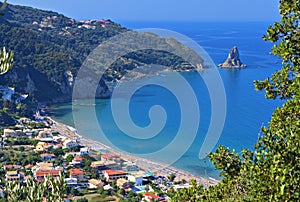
<point x="233" y="59"/>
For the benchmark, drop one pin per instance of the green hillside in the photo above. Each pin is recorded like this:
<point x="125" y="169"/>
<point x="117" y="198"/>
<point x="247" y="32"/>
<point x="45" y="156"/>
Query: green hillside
<point x="49" y="47"/>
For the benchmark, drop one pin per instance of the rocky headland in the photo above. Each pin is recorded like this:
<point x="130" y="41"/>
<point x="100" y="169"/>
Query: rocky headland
<point x="233" y="60"/>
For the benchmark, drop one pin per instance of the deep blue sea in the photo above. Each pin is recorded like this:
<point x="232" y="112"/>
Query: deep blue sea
<point x="247" y="109"/>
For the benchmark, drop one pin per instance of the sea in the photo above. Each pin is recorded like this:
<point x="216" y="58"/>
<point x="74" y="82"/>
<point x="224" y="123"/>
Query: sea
<point x="246" y="108"/>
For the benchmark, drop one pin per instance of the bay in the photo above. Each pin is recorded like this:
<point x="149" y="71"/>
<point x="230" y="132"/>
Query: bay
<point x="247" y="109"/>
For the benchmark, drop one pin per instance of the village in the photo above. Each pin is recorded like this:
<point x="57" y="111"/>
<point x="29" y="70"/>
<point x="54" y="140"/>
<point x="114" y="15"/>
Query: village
<point x="39" y="149"/>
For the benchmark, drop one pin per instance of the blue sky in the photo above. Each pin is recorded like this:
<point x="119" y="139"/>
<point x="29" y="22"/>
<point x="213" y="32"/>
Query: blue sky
<point x="161" y="10"/>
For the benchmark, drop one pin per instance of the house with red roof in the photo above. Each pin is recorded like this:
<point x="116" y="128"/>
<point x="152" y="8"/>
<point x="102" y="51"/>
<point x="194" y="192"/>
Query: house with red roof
<point x="109" y="157"/>
<point x="77" y="173"/>
<point x="152" y="197"/>
<point x="77" y="160"/>
<point x="111" y="175"/>
<point x="40" y="174"/>
<point x="47" y="156"/>
<point x="11" y="166"/>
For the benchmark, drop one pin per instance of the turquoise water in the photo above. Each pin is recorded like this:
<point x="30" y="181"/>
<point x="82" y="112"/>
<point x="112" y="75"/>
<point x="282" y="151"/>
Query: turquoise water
<point x="247" y="109"/>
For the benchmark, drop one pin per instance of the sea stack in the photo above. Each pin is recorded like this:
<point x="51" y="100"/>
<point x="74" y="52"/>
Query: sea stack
<point x="233" y="60"/>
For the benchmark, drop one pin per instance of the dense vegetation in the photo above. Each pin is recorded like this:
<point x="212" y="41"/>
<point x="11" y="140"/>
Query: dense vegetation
<point x="270" y="172"/>
<point x="47" y="45"/>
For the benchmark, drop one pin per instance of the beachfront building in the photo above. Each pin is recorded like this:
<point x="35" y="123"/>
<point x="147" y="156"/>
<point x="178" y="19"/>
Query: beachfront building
<point x="84" y="150"/>
<point x="77" y="173"/>
<point x="97" y="164"/>
<point x="95" y="184"/>
<point x="136" y="178"/>
<point x="111" y="175"/>
<point x="109" y="158"/>
<point x="108" y="165"/>
<point x="69" y="144"/>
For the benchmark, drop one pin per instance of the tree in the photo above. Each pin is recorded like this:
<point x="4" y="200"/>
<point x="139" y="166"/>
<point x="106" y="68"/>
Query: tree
<point x="271" y="171"/>
<point x="52" y="189"/>
<point x="82" y="200"/>
<point x="69" y="158"/>
<point x="171" y="177"/>
<point x="3" y="6"/>
<point x="6" y="60"/>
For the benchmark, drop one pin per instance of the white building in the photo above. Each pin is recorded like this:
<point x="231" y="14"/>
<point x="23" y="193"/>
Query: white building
<point x="137" y="178"/>
<point x="9" y="133"/>
<point x="69" y="144"/>
<point x="84" y="150"/>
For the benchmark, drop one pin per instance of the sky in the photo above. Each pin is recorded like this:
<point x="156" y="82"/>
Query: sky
<point x="161" y="10"/>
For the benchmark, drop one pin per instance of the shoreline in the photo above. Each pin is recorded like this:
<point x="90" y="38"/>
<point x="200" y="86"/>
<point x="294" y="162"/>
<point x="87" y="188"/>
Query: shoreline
<point x="144" y="164"/>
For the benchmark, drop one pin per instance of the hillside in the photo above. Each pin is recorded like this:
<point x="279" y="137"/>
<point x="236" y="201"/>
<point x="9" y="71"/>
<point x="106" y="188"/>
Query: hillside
<point x="50" y="48"/>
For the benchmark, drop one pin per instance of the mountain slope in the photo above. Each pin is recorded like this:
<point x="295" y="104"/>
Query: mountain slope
<point x="50" y="48"/>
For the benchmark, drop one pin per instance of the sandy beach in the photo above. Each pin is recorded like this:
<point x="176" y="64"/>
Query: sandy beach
<point x="158" y="169"/>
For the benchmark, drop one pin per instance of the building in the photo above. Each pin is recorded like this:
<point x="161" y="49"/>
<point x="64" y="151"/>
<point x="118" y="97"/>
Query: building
<point x="40" y="174"/>
<point x="44" y="134"/>
<point x="108" y="165"/>
<point x="11" y="166"/>
<point x="69" y="144"/>
<point x="137" y="178"/>
<point x="12" y="176"/>
<point x="152" y="197"/>
<point x="84" y="150"/>
<point x="95" y="184"/>
<point x="97" y="164"/>
<point x="77" y="173"/>
<point x="109" y="157"/>
<point x="9" y="133"/>
<point x="111" y="175"/>
<point x="43" y="146"/>
<point x="121" y="182"/>
<point x="44" y="166"/>
<point x="71" y="182"/>
<point x="77" y="160"/>
<point x="47" y="156"/>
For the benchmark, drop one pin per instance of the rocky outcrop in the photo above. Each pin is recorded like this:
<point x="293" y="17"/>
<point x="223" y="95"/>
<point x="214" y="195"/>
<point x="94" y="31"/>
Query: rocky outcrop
<point x="233" y="60"/>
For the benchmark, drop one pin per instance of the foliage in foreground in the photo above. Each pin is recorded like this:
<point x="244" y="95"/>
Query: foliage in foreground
<point x="271" y="172"/>
<point x="53" y="189"/>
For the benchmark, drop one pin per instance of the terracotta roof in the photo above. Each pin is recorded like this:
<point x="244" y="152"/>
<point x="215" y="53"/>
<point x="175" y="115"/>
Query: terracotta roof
<point x="95" y="182"/>
<point x="46" y="154"/>
<point x="114" y="172"/>
<point x="12" y="173"/>
<point x="78" y="158"/>
<point x="106" y="156"/>
<point x="10" y="166"/>
<point x="152" y="195"/>
<point x="42" y="173"/>
<point x="76" y="171"/>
